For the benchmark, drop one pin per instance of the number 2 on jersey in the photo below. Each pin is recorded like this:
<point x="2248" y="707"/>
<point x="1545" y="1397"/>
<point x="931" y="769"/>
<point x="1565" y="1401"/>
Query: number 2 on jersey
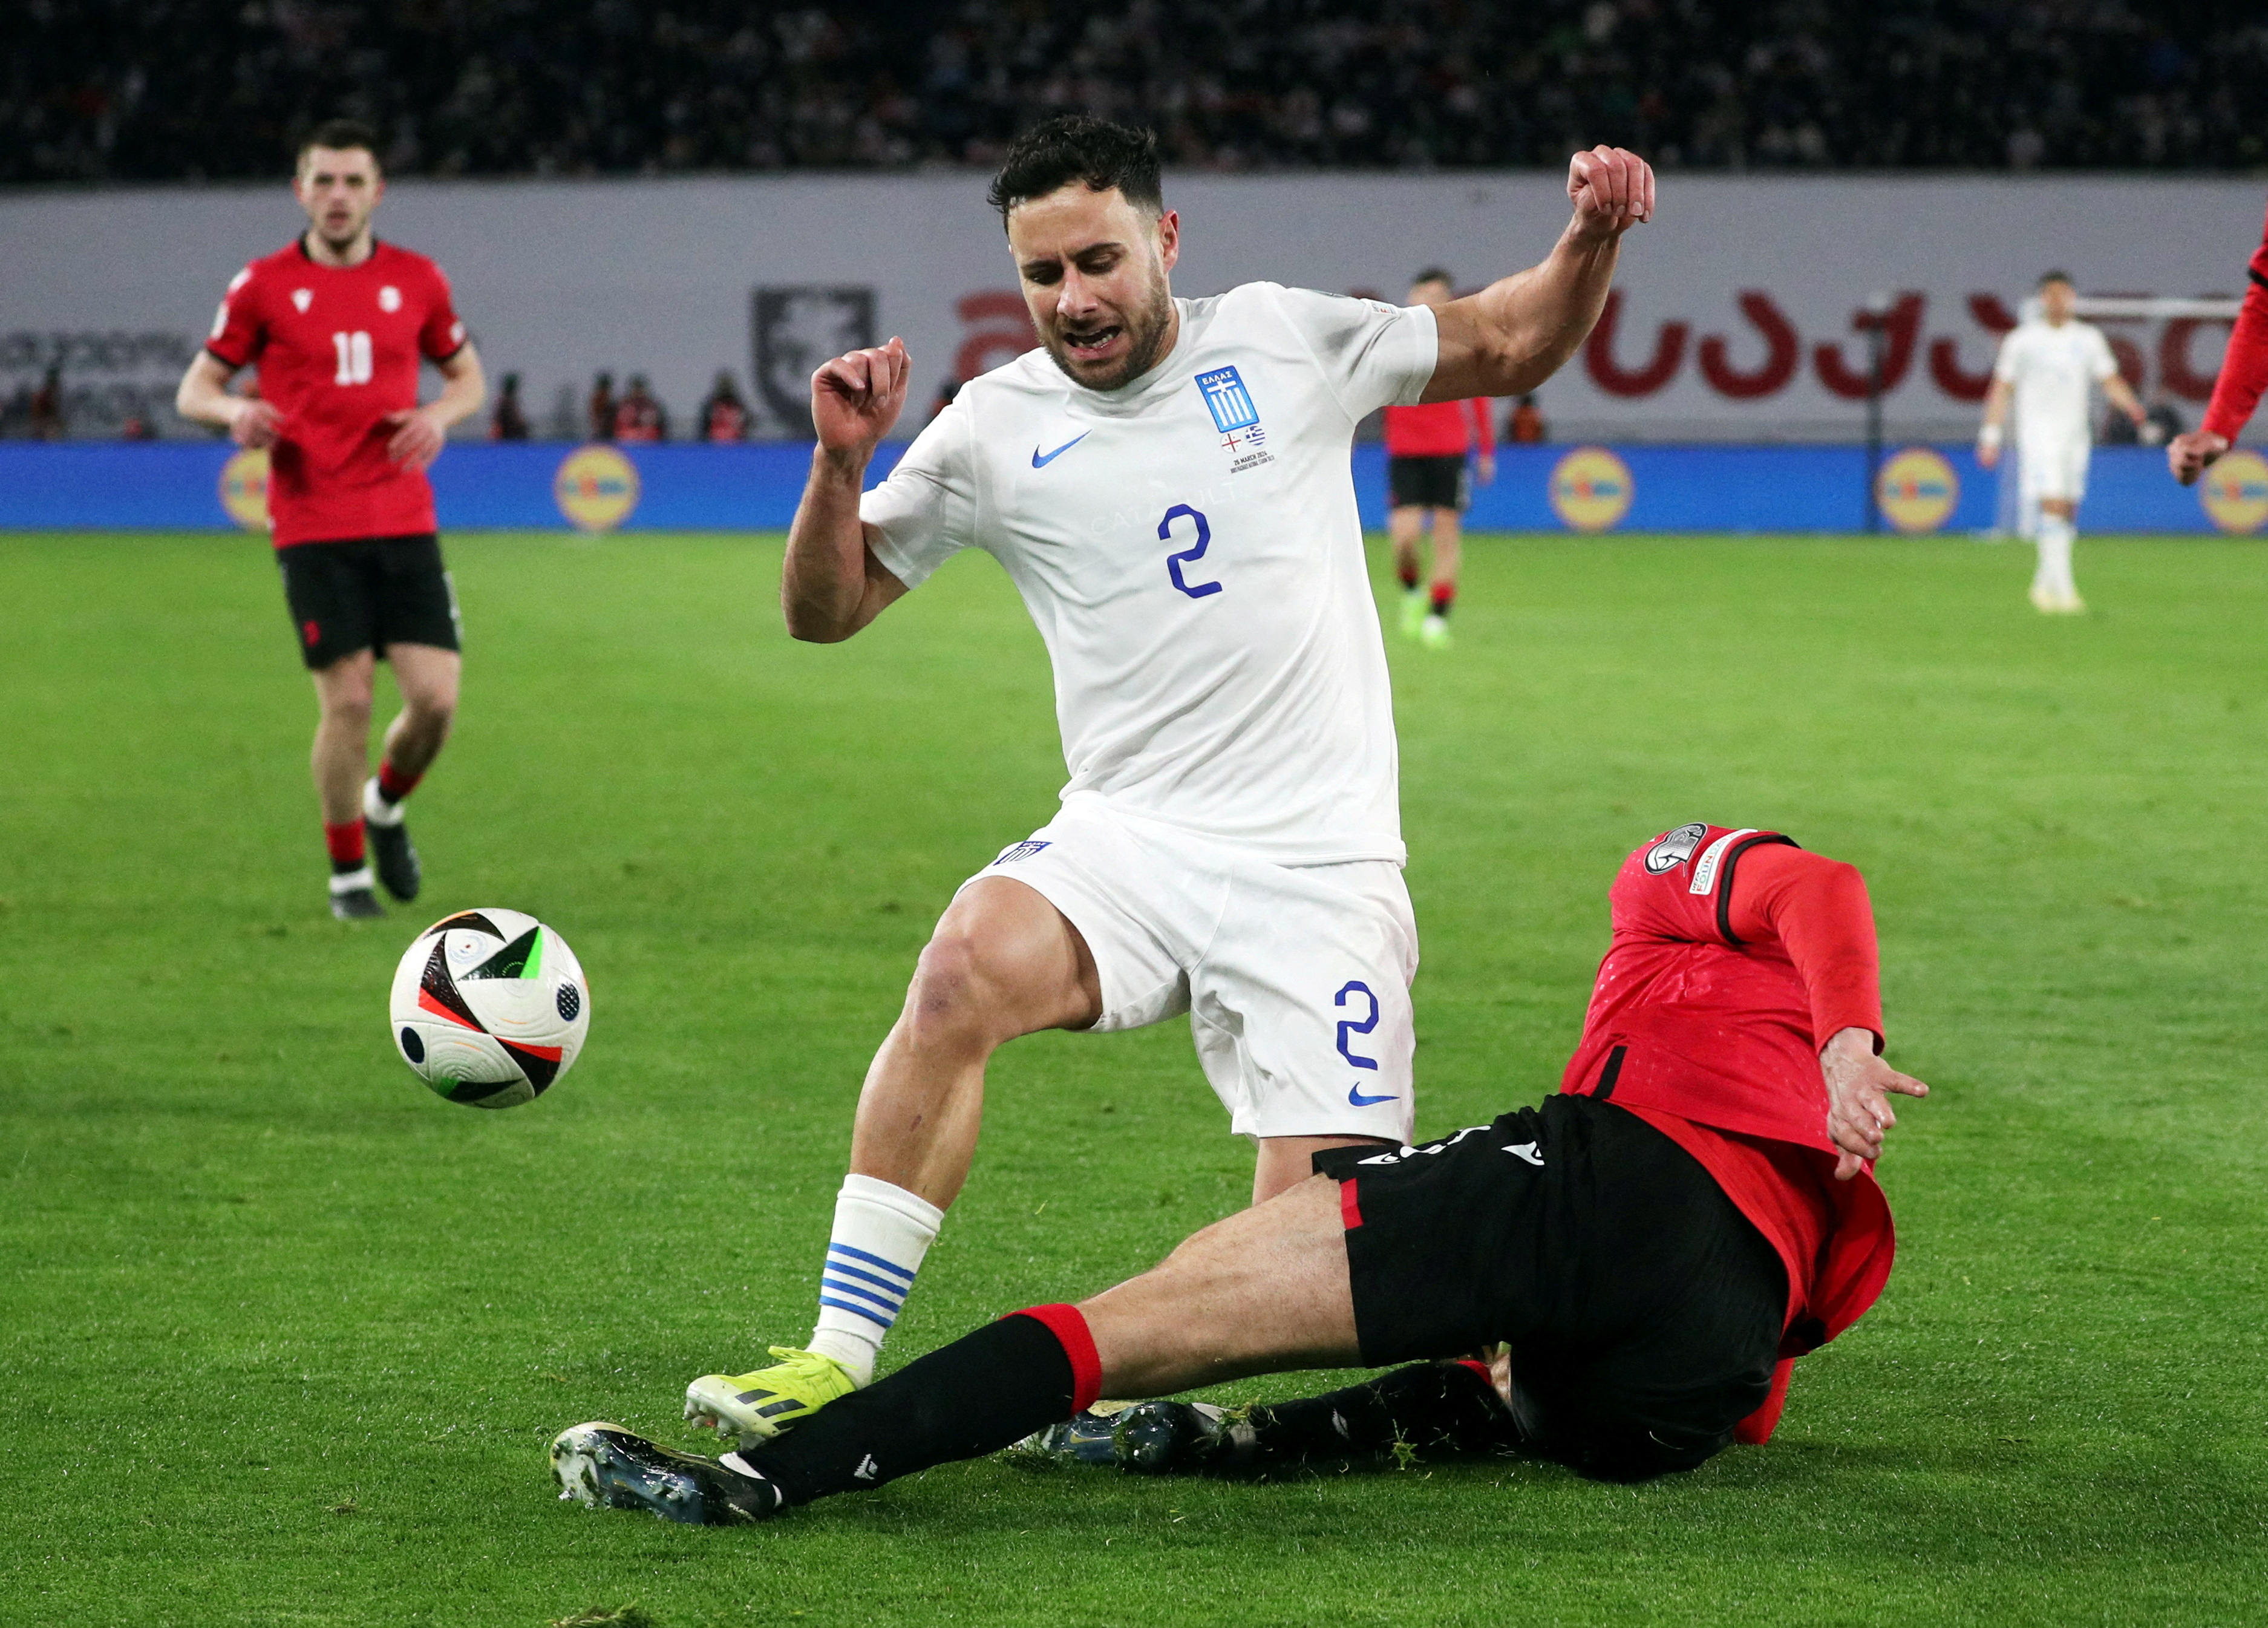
<point x="1348" y="1028"/>
<point x="1190" y="555"/>
<point x="354" y="358"/>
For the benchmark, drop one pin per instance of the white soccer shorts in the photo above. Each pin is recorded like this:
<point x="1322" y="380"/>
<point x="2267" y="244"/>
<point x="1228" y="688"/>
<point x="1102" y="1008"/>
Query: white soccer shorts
<point x="1296" y="978"/>
<point x="2052" y="467"/>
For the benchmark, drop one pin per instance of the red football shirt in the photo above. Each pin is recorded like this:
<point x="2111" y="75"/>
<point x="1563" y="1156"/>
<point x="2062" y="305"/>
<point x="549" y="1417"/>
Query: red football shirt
<point x="1441" y="429"/>
<point x="1735" y="956"/>
<point x="338" y="349"/>
<point x="2244" y="364"/>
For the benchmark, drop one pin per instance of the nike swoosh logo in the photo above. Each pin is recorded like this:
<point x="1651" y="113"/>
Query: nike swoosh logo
<point x="1355" y="1098"/>
<point x="1041" y="460"/>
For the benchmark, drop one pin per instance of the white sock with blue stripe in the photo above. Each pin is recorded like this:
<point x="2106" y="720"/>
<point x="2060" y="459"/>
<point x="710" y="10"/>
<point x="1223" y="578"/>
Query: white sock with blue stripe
<point x="881" y="1233"/>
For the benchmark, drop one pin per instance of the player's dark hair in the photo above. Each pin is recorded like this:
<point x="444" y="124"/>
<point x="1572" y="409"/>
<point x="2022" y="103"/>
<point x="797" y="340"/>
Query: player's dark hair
<point x="1074" y="147"/>
<point x="1433" y="274"/>
<point x="2047" y="277"/>
<point x="338" y="136"/>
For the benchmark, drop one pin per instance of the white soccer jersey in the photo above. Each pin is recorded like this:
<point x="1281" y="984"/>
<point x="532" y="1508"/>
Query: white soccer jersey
<point x="2052" y="368"/>
<point x="1189" y="548"/>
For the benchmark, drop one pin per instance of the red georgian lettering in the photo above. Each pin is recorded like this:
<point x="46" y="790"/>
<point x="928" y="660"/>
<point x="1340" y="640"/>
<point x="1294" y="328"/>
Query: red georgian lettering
<point x="1006" y="334"/>
<point x="1610" y="376"/>
<point x="1899" y="326"/>
<point x="1782" y="350"/>
<point x="1945" y="367"/>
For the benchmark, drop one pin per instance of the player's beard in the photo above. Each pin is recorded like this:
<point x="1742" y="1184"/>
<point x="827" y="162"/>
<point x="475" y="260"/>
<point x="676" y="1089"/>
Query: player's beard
<point x="1146" y="338"/>
<point x="341" y="242"/>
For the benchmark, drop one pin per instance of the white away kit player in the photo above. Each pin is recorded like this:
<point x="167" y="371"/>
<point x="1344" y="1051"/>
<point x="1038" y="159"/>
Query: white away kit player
<point x="2047" y="365"/>
<point x="1167" y="483"/>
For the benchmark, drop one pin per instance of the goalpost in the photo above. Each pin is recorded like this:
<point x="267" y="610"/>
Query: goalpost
<point x="2009" y="519"/>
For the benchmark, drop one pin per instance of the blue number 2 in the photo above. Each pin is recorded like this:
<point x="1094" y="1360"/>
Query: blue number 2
<point x="1190" y="555"/>
<point x="1347" y="1025"/>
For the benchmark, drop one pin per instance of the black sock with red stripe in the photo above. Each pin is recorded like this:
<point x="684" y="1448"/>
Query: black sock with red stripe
<point x="986" y="1392"/>
<point x="1444" y="594"/>
<point x="394" y="785"/>
<point x="1409" y="575"/>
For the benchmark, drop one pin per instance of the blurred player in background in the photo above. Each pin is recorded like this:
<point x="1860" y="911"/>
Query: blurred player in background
<point x="1654" y="1246"/>
<point x="1167" y="482"/>
<point x="2243" y="376"/>
<point x="2045" y="366"/>
<point x="724" y="415"/>
<point x="1427" y="447"/>
<point x="639" y="415"/>
<point x="509" y="420"/>
<point x="337" y="324"/>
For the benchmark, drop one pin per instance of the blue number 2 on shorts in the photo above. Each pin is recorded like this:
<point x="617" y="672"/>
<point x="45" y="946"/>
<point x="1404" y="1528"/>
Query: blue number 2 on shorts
<point x="1348" y="1026"/>
<point x="1190" y="555"/>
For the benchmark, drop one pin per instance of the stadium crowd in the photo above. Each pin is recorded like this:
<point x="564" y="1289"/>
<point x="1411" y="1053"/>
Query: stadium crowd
<point x="146" y="90"/>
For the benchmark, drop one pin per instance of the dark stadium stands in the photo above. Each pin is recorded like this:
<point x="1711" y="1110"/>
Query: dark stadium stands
<point x="137" y="89"/>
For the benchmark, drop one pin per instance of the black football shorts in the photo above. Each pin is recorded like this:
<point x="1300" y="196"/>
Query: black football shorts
<point x="367" y="593"/>
<point x="1426" y="483"/>
<point x="1643" y="1311"/>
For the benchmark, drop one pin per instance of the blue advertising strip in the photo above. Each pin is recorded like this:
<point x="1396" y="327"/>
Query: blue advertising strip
<point x="177" y="486"/>
<point x="1788" y="488"/>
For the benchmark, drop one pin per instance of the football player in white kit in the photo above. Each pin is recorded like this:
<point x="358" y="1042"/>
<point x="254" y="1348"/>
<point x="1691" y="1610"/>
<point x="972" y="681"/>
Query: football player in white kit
<point x="2046" y="365"/>
<point x="1167" y="483"/>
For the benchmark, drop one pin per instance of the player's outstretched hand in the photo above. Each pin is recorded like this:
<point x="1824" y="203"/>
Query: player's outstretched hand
<point x="254" y="423"/>
<point x="2187" y="454"/>
<point x="855" y="398"/>
<point x="1612" y="190"/>
<point x="416" y="439"/>
<point x="1860" y="1085"/>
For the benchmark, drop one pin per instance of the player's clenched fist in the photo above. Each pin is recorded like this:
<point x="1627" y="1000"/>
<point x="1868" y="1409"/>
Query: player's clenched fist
<point x="1612" y="189"/>
<point x="855" y="398"/>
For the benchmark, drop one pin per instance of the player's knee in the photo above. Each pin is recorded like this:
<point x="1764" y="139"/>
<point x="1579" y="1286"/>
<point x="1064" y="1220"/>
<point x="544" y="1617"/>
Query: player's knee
<point x="348" y="707"/>
<point x="954" y="999"/>
<point x="432" y="711"/>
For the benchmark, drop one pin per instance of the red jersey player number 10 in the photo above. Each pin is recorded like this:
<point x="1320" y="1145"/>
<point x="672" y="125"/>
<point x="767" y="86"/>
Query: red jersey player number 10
<point x="338" y="350"/>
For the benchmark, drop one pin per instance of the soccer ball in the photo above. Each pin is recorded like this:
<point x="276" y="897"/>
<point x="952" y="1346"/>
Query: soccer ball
<point x="490" y="1007"/>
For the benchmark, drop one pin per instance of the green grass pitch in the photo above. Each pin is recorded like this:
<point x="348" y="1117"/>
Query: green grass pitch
<point x="283" y="1335"/>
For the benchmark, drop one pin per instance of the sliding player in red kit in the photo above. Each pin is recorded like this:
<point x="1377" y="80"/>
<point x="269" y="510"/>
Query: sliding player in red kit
<point x="1647" y="1253"/>
<point x="1427" y="447"/>
<point x="2243" y="376"/>
<point x="338" y="324"/>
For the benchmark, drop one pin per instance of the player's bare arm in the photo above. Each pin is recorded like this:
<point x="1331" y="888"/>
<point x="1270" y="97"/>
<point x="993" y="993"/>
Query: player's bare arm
<point x="1990" y="432"/>
<point x="419" y="431"/>
<point x="1859" y="1086"/>
<point x="205" y="398"/>
<point x="832" y="585"/>
<point x="1516" y="333"/>
<point x="2121" y="396"/>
